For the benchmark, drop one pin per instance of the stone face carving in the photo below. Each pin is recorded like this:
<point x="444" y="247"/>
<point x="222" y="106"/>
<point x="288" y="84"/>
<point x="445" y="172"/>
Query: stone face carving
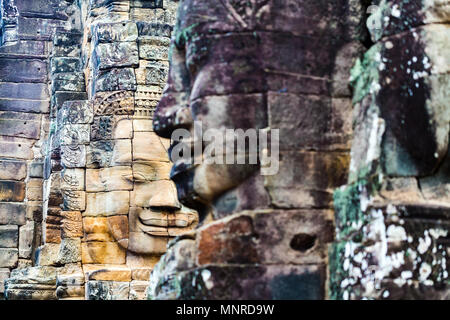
<point x="259" y="65"/>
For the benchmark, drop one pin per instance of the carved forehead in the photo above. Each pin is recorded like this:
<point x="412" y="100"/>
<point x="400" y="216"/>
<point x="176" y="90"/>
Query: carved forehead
<point x="299" y="17"/>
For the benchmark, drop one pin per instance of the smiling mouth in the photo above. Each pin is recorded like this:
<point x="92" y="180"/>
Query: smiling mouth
<point x="155" y="221"/>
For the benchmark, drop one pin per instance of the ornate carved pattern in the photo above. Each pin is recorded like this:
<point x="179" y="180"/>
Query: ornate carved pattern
<point x="114" y="103"/>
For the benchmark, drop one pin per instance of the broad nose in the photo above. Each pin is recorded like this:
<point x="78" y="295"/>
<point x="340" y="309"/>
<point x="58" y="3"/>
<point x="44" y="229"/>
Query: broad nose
<point x="172" y="113"/>
<point x="165" y="198"/>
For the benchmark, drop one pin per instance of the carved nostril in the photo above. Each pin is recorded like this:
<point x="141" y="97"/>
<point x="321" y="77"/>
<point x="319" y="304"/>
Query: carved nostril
<point x="303" y="242"/>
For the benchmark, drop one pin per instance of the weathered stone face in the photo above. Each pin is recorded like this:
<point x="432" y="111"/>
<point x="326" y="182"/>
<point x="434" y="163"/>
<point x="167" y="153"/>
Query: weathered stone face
<point x="238" y="69"/>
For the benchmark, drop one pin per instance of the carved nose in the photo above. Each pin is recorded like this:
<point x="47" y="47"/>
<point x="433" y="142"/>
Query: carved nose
<point x="166" y="197"/>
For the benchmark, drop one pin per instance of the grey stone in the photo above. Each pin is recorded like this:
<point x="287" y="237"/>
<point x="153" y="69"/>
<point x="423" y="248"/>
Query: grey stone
<point x="12" y="213"/>
<point x="107" y="290"/>
<point x="8" y="257"/>
<point x="9" y="236"/>
<point x="23" y="70"/>
<point x="36" y="170"/>
<point x="26" y="239"/>
<point x="13" y="170"/>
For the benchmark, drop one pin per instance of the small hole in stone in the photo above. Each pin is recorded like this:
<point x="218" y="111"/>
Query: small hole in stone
<point x="303" y="242"/>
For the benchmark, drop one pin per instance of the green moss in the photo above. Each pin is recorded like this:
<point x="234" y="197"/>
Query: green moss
<point x="365" y="74"/>
<point x="184" y="35"/>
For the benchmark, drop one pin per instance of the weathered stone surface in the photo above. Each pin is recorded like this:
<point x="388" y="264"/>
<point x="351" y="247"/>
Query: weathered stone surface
<point x="12" y="213"/>
<point x="19" y="70"/>
<point x="152" y="73"/>
<point x="109" y="153"/>
<point x="138" y="290"/>
<point x="109" y="179"/>
<point x="144" y="171"/>
<point x="307" y="179"/>
<point x="75" y="134"/>
<point x="65" y="65"/>
<point x="147" y="146"/>
<point x="97" y="229"/>
<point x="34" y="211"/>
<point x="107" y="203"/>
<point x="116" y="54"/>
<point x="47" y="254"/>
<point x="35" y="189"/>
<point x="107" y="273"/>
<point x="114" y="32"/>
<point x="115" y="80"/>
<point x="73" y="179"/>
<point x="36" y="170"/>
<point x="76" y="112"/>
<point x="33" y="283"/>
<point x="26" y="239"/>
<point x="147" y="194"/>
<point x="17" y="124"/>
<point x="142" y="125"/>
<point x="4" y="274"/>
<point x="272" y="282"/>
<point x="16" y="148"/>
<point x="107" y="290"/>
<point x="74" y="200"/>
<point x="12" y="191"/>
<point x="71" y="224"/>
<point x="73" y="156"/>
<point x="9" y="236"/>
<point x="8" y="257"/>
<point x="13" y="170"/>
<point x="154" y="48"/>
<point x="102" y="253"/>
<point x="69" y="251"/>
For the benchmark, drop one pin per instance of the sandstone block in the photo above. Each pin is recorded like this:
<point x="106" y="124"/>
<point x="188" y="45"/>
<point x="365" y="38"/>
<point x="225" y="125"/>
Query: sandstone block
<point x="303" y="241"/>
<point x="109" y="179"/>
<point x="115" y="32"/>
<point x="14" y="148"/>
<point x="147" y="146"/>
<point x="47" y="255"/>
<point x="9" y="236"/>
<point x="74" y="134"/>
<point x="107" y="203"/>
<point x="145" y="125"/>
<point x="34" y="189"/>
<point x="36" y="170"/>
<point x="120" y="273"/>
<point x="154" y="48"/>
<point x="34" y="211"/>
<point x="96" y="229"/>
<point x="24" y="125"/>
<point x="12" y="213"/>
<point x="116" y="54"/>
<point x="4" y="274"/>
<point x="123" y="129"/>
<point x="13" y="170"/>
<point x="102" y="253"/>
<point x="8" y="257"/>
<point x="161" y="193"/>
<point x="74" y="200"/>
<point x="144" y="171"/>
<point x="138" y="290"/>
<point x="69" y="251"/>
<point x="73" y="156"/>
<point x="12" y="191"/>
<point x="115" y="80"/>
<point x="107" y="290"/>
<point x="76" y="112"/>
<point x="71" y="224"/>
<point x="26" y="239"/>
<point x="73" y="179"/>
